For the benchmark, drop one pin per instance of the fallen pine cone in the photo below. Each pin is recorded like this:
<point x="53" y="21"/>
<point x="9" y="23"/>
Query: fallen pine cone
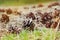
<point x="5" y="18"/>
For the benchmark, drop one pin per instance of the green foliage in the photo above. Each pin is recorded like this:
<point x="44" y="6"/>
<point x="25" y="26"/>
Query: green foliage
<point x="48" y="34"/>
<point x="43" y="34"/>
<point x="22" y="2"/>
<point x="9" y="37"/>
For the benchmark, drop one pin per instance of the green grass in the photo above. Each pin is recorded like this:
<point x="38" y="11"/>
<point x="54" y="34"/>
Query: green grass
<point x="43" y="34"/>
<point x="22" y="2"/>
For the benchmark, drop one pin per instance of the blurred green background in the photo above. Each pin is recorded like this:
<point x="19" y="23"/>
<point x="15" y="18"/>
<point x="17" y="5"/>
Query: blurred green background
<point x="22" y="2"/>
